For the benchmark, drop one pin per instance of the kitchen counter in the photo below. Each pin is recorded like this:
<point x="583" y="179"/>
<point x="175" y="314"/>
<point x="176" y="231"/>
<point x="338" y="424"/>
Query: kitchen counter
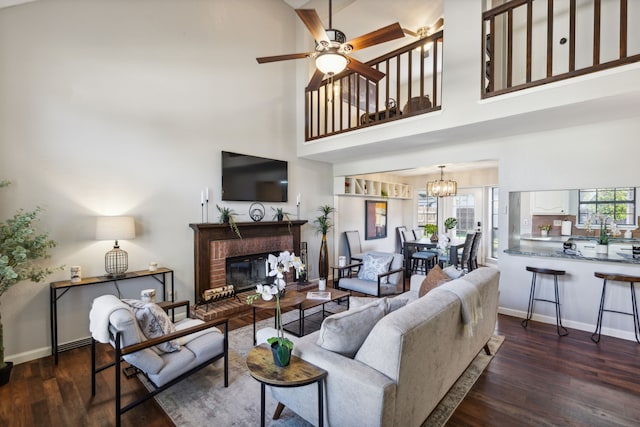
<point x="585" y="255"/>
<point x="560" y="239"/>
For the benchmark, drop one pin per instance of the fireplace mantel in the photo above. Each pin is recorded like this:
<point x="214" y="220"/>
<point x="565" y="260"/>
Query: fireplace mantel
<point x="206" y="233"/>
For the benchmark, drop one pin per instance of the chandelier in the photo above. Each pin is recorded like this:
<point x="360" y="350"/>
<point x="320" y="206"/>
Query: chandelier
<point x="442" y="188"/>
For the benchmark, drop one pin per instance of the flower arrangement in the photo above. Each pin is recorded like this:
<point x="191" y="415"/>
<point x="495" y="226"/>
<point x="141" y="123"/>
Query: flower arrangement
<point x="450" y="223"/>
<point x="603" y="238"/>
<point x="544" y="227"/>
<point x="278" y="267"/>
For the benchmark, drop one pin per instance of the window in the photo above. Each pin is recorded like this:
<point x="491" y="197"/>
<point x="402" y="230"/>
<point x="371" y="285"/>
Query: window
<point x="619" y="204"/>
<point x="494" y="221"/>
<point x="464" y="207"/>
<point x="427" y="209"/>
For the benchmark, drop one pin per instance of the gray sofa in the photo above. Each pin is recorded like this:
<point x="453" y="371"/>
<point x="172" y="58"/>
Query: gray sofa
<point x="406" y="364"/>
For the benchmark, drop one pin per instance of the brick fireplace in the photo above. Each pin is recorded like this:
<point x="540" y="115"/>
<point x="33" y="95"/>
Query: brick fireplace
<point x="214" y="243"/>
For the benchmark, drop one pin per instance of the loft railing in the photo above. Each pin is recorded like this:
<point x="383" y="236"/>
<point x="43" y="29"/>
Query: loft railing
<point x="348" y="101"/>
<point x="528" y="43"/>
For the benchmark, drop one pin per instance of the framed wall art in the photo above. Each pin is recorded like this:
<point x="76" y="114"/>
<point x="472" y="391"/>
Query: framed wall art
<point x="375" y="220"/>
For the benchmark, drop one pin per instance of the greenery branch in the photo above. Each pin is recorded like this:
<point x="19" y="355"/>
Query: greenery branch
<point x="20" y="247"/>
<point x="226" y="216"/>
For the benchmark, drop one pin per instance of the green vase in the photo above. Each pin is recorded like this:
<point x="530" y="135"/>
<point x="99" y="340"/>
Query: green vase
<point x="281" y="354"/>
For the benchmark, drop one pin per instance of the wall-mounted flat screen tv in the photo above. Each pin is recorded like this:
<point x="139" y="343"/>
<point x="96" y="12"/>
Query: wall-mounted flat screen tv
<point x="253" y="179"/>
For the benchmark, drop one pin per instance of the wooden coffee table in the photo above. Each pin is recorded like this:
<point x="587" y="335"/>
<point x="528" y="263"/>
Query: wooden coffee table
<point x="313" y="321"/>
<point x="298" y="373"/>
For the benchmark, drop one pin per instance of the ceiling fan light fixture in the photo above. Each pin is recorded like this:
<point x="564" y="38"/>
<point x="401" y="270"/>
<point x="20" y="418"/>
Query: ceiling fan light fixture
<point x="331" y="62"/>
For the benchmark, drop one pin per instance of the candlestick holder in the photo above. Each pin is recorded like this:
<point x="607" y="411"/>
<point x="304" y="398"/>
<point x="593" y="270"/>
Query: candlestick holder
<point x="298" y="209"/>
<point x="207" y="211"/>
<point x="201" y="212"/>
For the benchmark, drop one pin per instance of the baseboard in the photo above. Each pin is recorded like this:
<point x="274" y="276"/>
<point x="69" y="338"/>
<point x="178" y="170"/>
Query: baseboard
<point x="39" y="353"/>
<point x="587" y="327"/>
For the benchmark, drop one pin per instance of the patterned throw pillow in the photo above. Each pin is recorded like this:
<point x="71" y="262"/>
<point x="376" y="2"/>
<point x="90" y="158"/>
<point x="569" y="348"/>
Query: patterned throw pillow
<point x="154" y="322"/>
<point x="372" y="265"/>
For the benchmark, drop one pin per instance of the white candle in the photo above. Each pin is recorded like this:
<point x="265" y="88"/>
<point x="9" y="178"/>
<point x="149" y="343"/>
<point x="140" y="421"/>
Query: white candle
<point x="202" y="198"/>
<point x="207" y="193"/>
<point x="298" y="200"/>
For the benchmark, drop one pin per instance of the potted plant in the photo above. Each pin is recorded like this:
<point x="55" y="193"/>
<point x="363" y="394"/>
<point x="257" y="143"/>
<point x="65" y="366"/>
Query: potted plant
<point x="281" y="346"/>
<point x="20" y="249"/>
<point x="544" y="229"/>
<point x="226" y="217"/>
<point x="603" y="238"/>
<point x="431" y="230"/>
<point x="322" y="224"/>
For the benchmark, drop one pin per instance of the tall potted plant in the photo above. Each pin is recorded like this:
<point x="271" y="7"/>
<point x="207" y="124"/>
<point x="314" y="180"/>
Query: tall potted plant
<point x="20" y="248"/>
<point x="322" y="224"/>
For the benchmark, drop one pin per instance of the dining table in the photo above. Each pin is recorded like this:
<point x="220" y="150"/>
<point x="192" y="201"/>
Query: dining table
<point x="425" y="243"/>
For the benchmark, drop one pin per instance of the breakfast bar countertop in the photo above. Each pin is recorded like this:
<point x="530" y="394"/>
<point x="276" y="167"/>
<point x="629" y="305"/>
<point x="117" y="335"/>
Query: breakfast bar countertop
<point x="586" y="255"/>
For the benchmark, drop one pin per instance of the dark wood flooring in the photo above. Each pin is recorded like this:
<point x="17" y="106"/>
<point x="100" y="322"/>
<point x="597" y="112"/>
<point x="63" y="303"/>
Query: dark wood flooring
<point x="536" y="379"/>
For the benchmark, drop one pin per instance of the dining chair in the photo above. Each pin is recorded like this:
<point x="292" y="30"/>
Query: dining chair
<point x="473" y="256"/>
<point x="401" y="232"/>
<point x="353" y="245"/>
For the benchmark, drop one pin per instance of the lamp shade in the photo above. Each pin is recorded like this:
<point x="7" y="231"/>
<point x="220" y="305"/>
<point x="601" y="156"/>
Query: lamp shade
<point x="331" y="62"/>
<point x="115" y="228"/>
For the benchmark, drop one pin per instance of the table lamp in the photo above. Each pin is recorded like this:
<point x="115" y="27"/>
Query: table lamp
<point x="116" y="261"/>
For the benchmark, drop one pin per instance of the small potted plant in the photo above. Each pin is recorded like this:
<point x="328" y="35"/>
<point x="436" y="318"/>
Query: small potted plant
<point x="544" y="229"/>
<point x="280" y="214"/>
<point x="431" y="230"/>
<point x="226" y="217"/>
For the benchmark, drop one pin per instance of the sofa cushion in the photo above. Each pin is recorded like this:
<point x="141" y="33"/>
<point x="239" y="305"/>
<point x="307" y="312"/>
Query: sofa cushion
<point x="345" y="332"/>
<point x="434" y="278"/>
<point x="374" y="264"/>
<point x="154" y="322"/>
<point x="391" y="304"/>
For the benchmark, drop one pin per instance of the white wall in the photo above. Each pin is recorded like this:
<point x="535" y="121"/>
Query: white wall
<point x="123" y="108"/>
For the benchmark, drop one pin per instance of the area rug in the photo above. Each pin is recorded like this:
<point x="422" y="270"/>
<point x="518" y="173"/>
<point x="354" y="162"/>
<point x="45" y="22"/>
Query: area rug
<point x="202" y="399"/>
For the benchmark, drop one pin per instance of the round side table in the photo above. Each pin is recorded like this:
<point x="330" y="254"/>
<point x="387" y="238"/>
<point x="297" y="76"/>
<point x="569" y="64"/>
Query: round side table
<point x="298" y="373"/>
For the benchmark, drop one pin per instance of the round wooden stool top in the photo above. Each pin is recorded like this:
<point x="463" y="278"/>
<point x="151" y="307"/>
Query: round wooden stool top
<point x="617" y="277"/>
<point x="546" y="271"/>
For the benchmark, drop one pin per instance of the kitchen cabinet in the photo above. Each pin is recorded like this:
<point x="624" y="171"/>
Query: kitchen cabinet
<point x="550" y="203"/>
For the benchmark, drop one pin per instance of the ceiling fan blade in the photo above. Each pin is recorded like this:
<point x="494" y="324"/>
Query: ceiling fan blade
<point x="316" y="79"/>
<point x="384" y="34"/>
<point x="311" y="19"/>
<point x="365" y="70"/>
<point x="265" y="59"/>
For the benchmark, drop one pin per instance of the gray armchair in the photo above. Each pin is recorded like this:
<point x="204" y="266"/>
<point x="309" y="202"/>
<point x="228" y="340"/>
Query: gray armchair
<point x="165" y="359"/>
<point x="384" y="281"/>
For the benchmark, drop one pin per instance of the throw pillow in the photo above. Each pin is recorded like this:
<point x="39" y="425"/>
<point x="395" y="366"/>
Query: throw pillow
<point x="345" y="332"/>
<point x="434" y="278"/>
<point x="154" y="322"/>
<point x="391" y="304"/>
<point x="453" y="272"/>
<point x="372" y="265"/>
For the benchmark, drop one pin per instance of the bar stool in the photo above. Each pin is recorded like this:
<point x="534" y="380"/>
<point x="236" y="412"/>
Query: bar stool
<point x="532" y="297"/>
<point x="595" y="337"/>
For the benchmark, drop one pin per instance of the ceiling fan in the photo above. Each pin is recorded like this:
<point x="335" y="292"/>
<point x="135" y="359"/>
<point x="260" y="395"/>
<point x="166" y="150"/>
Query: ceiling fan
<point x="332" y="48"/>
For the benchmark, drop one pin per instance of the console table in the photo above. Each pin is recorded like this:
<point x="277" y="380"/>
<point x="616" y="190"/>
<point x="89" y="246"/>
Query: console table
<point x="159" y="275"/>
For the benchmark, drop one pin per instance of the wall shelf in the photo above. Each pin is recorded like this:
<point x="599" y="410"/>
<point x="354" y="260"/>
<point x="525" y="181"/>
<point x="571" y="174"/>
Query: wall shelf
<point x="349" y="186"/>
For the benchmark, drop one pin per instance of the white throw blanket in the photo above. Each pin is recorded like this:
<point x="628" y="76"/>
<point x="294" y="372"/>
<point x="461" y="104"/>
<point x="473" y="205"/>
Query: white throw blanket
<point x="101" y="309"/>
<point x="470" y="305"/>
